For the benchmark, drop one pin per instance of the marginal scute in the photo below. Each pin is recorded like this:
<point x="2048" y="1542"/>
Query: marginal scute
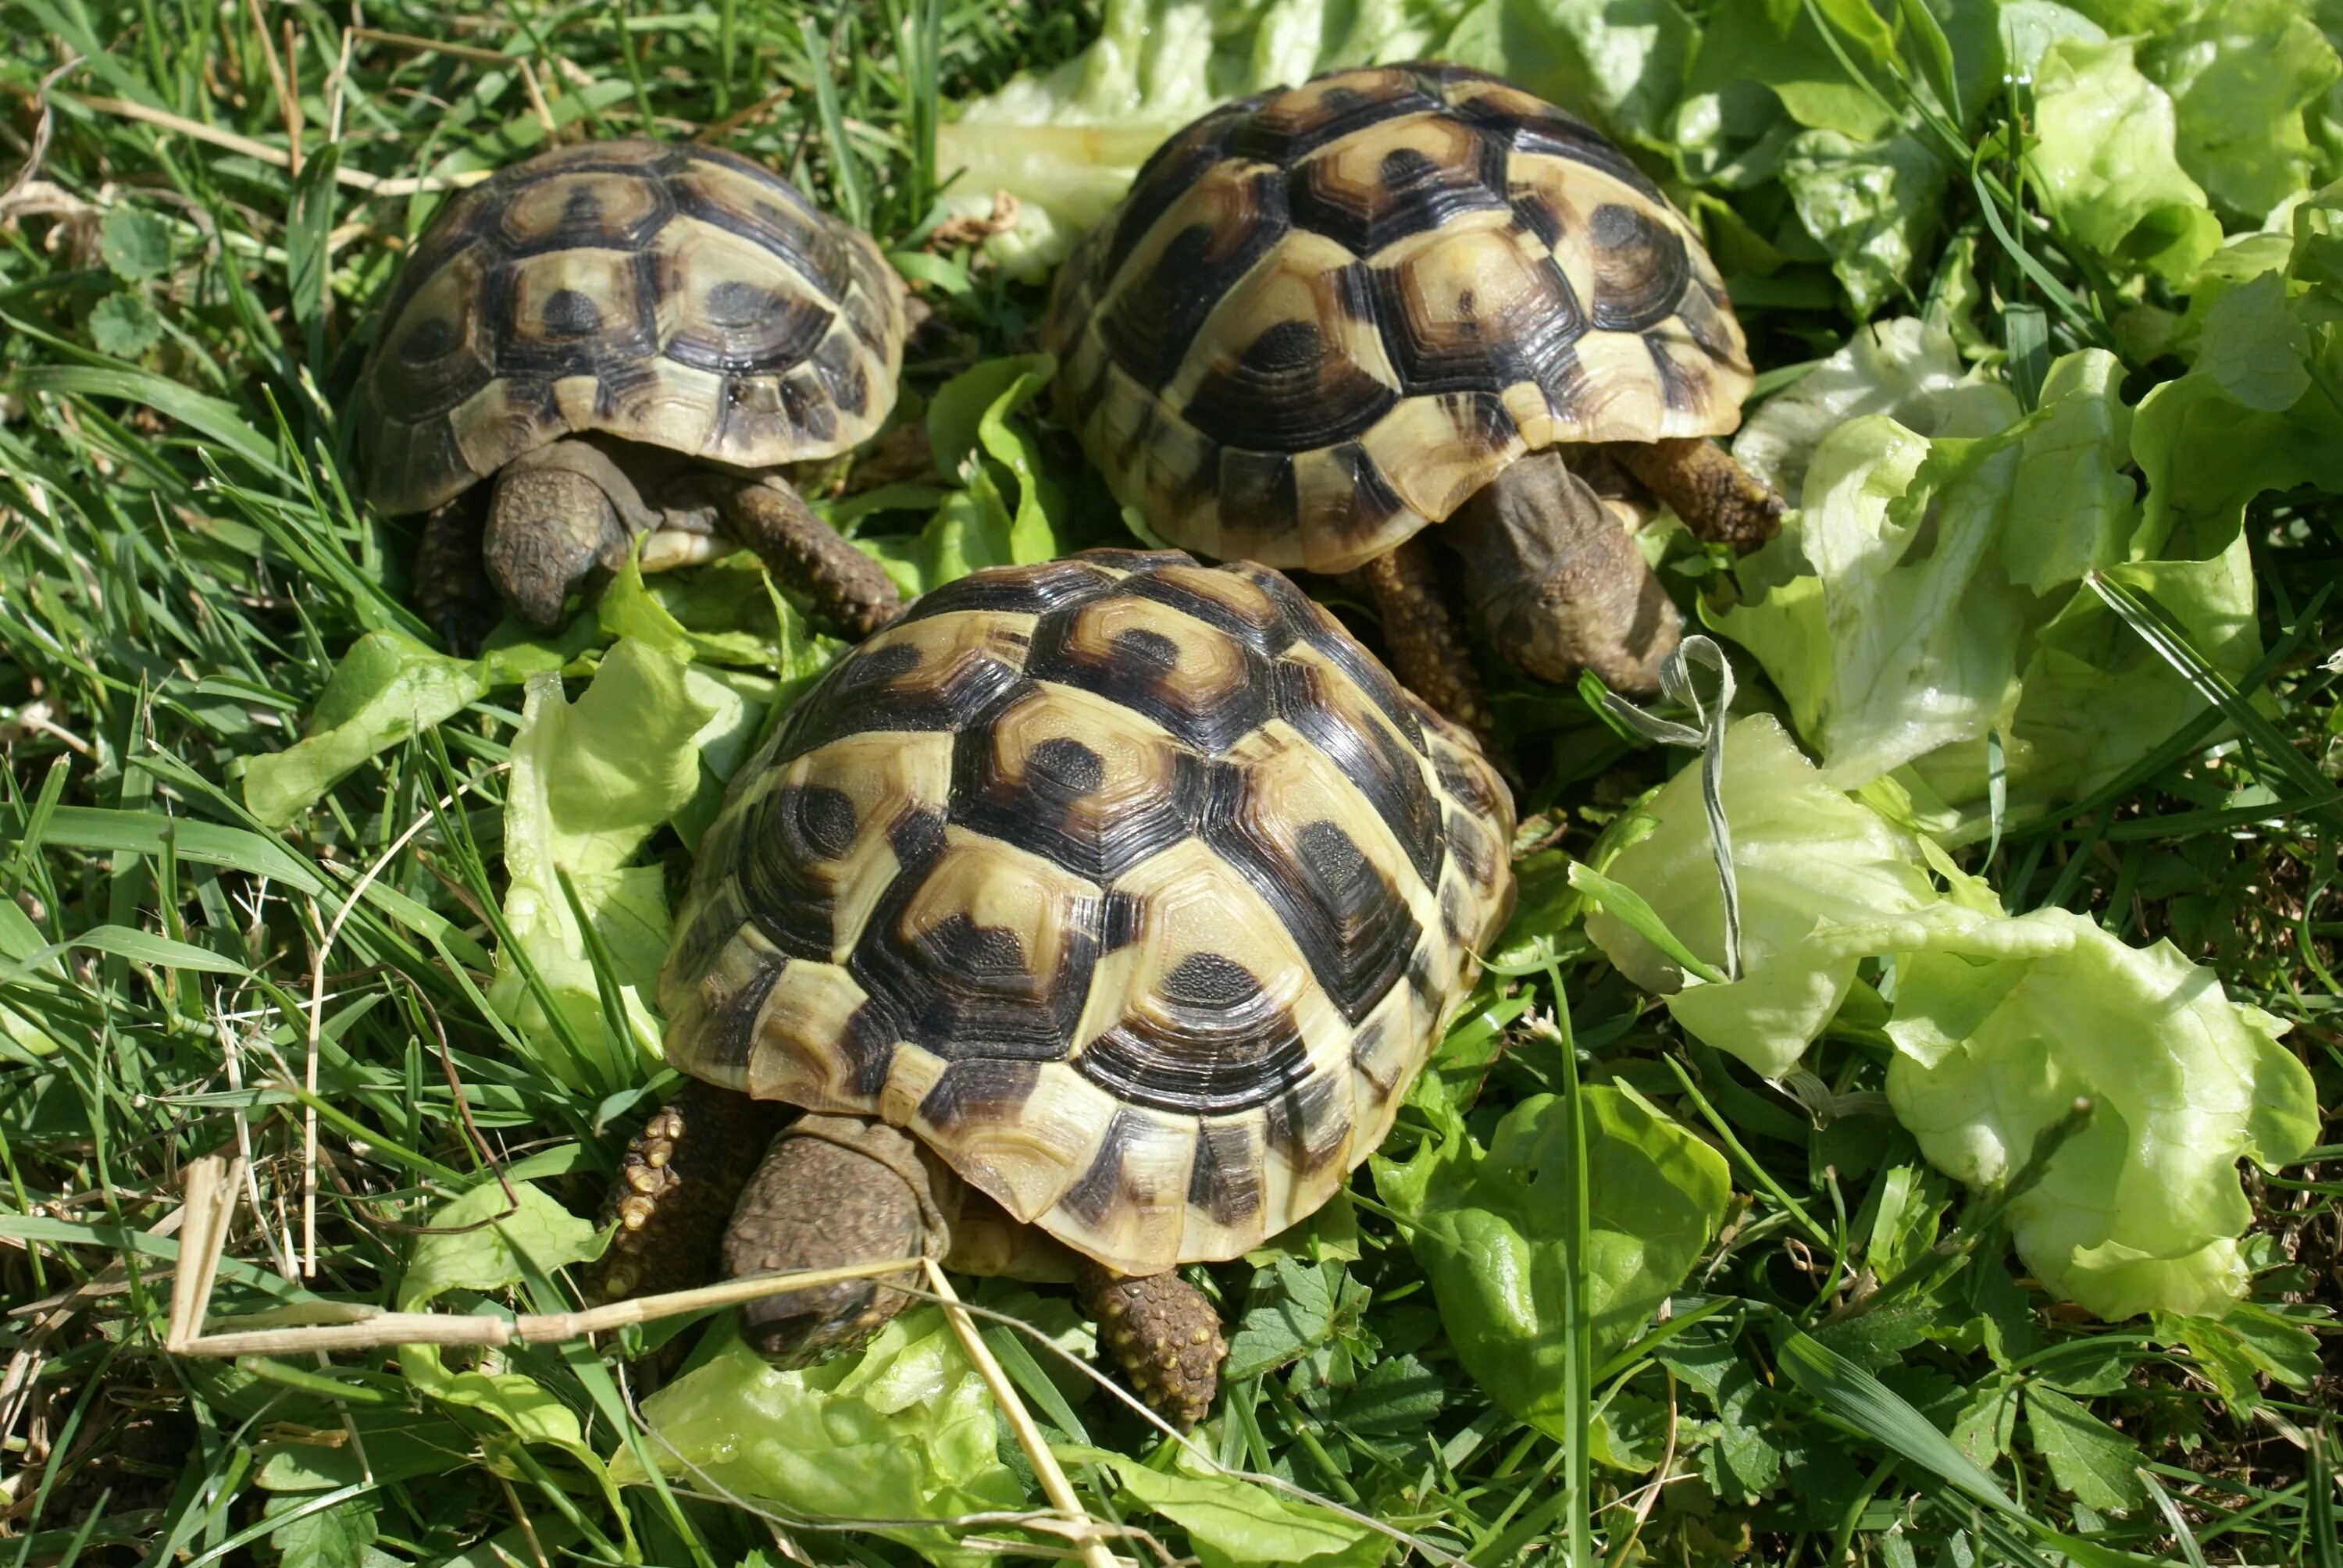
<point x="667" y="293"/>
<point x="1135" y="888"/>
<point x="1325" y="318"/>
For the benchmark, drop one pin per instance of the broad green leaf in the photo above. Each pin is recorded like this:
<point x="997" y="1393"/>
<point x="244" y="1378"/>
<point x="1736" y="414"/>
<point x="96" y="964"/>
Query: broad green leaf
<point x="450" y="1257"/>
<point x="1232" y="1521"/>
<point x="2141" y="1209"/>
<point x="387" y="689"/>
<point x="905" y="1430"/>
<point x="2088" y="1457"/>
<point x="341" y="1536"/>
<point x="135" y="243"/>
<point x="124" y="324"/>
<point x="1488" y="1228"/>
<point x="976" y="433"/>
<point x="1621" y="63"/>
<point x="1871" y="205"/>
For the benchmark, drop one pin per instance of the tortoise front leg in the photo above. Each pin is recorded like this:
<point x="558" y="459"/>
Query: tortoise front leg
<point x="1421" y="636"/>
<point x="1716" y="496"/>
<point x="1164" y="1332"/>
<point x="452" y="591"/>
<point x="833" y="1191"/>
<point x="677" y="1185"/>
<point x="847" y="588"/>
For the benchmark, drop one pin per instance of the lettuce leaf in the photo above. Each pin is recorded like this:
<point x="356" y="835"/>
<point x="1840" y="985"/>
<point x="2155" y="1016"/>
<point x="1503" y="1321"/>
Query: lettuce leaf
<point x="2105" y="161"/>
<point x="389" y="687"/>
<point x="905" y="1430"/>
<point x="1231" y="1521"/>
<point x="1488" y="1229"/>
<point x="975" y="435"/>
<point x="2140" y="1211"/>
<point x="1811" y="865"/>
<point x="2240" y="73"/>
<point x="590" y="782"/>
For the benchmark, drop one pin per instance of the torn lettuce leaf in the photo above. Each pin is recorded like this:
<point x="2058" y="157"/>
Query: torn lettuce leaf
<point x="590" y="782"/>
<point x="1006" y="509"/>
<point x="389" y="687"/>
<point x="1488" y="1228"/>
<point x="2241" y="73"/>
<point x="905" y="1430"/>
<point x="1811" y="864"/>
<point x="2141" y="1211"/>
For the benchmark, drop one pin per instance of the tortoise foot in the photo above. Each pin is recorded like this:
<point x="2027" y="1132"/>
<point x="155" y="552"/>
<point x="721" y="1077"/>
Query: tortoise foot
<point x="1165" y="1335"/>
<point x="677" y="1185"/>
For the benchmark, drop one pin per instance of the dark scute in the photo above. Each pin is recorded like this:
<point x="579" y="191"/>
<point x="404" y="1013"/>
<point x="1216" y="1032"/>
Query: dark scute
<point x="1100" y="1188"/>
<point x="1366" y="672"/>
<point x="804" y="405"/>
<point x="1451" y="916"/>
<point x="1372" y="501"/>
<point x="1225" y="1182"/>
<point x="916" y="836"/>
<point x="581" y="207"/>
<point x="1536" y="214"/>
<point x="868" y="1047"/>
<point x="1469" y="787"/>
<point x="569" y="313"/>
<point x="1640" y="269"/>
<point x="1124" y="915"/>
<point x="1424" y="979"/>
<point x="1307" y="1123"/>
<point x="1140" y="672"/>
<point x="979" y="1089"/>
<point x="1214" y="1044"/>
<point x="823" y="820"/>
<point x="860" y="695"/>
<point x="1281" y="138"/>
<point x="1559" y="135"/>
<point x="1149" y="653"/>
<point x="1257" y="488"/>
<point x="1384" y="771"/>
<point x="1682" y="386"/>
<point x="962" y="989"/>
<point x="1704" y="315"/>
<point x="839" y="365"/>
<point x="1289" y="391"/>
<point x="1047" y="811"/>
<point x="1016" y="591"/>
<point x="1366" y="1055"/>
<point x="729" y="1033"/>
<point x="1469" y="842"/>
<point x="1065" y="767"/>
<point x="429" y="341"/>
<point x="1154" y="317"/>
<point x="1161" y="180"/>
<point x="1525" y="342"/>
<point x="733" y="303"/>
<point x="1269" y="635"/>
<point x="1416" y="193"/>
<point x="1349" y="922"/>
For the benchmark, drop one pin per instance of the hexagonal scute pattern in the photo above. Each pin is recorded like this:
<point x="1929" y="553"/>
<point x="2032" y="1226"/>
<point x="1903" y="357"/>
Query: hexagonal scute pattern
<point x="1326" y="316"/>
<point x="669" y="294"/>
<point x="1136" y="887"/>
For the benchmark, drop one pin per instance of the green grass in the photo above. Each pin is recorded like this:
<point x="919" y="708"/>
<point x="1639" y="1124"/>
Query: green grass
<point x="182" y="563"/>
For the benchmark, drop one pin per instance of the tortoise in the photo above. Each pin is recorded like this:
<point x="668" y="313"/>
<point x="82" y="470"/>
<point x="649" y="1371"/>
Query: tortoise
<point x="1327" y="317"/>
<point x="1090" y="920"/>
<point x="626" y="338"/>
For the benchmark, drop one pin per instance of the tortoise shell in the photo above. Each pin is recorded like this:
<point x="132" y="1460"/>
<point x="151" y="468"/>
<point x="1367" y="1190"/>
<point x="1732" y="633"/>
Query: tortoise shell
<point x="662" y="293"/>
<point x="1326" y="316"/>
<point x="1136" y="888"/>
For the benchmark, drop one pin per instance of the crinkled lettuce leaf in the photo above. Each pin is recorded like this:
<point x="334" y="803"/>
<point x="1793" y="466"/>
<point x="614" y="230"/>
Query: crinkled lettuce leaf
<point x="2241" y="73"/>
<point x="905" y="1430"/>
<point x="388" y="688"/>
<point x="1067" y="143"/>
<point x="1812" y="864"/>
<point x="2140" y="1211"/>
<point x="1231" y="1521"/>
<point x="1904" y="367"/>
<point x="1621" y="63"/>
<point x="1488" y="1228"/>
<point x="590" y="782"/>
<point x="2105" y="164"/>
<point x="1871" y="205"/>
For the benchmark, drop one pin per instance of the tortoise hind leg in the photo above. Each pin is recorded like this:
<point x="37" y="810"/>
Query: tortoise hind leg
<point x="1164" y="1332"/>
<point x="1716" y="496"/>
<point x="847" y="588"/>
<point x="677" y="1185"/>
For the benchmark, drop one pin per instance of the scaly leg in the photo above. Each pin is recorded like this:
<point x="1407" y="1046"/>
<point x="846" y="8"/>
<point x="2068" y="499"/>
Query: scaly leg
<point x="677" y="1185"/>
<point x="847" y="588"/>
<point x="1716" y="496"/>
<point x="1425" y="643"/>
<point x="452" y="590"/>
<point x="1165" y="1335"/>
